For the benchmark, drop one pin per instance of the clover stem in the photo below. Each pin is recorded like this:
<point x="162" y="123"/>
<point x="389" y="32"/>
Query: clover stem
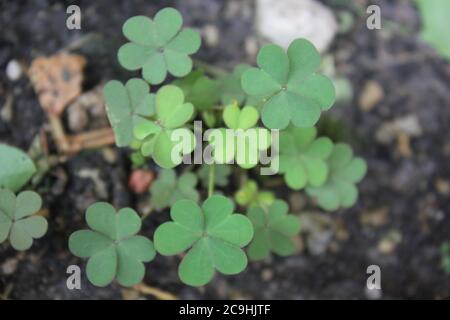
<point x="212" y="175"/>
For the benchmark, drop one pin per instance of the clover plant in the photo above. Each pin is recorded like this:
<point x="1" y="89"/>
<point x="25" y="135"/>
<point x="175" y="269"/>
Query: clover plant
<point x="112" y="246"/>
<point x="287" y="86"/>
<point x="303" y="157"/>
<point x="18" y="222"/>
<point x="274" y="229"/>
<point x="284" y="92"/>
<point x="339" y="190"/>
<point x="158" y="46"/>
<point x="214" y="235"/>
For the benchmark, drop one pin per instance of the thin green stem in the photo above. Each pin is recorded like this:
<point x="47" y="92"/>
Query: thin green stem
<point x="212" y="176"/>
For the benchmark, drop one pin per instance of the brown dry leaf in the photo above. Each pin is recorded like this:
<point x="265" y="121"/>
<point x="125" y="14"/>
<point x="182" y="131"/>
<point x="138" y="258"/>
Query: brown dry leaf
<point x="57" y="80"/>
<point x="372" y="94"/>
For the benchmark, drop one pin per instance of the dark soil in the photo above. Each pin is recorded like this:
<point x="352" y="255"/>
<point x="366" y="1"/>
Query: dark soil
<point x="405" y="194"/>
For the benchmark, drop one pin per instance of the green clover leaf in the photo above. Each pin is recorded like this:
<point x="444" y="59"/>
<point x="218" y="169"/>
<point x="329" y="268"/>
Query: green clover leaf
<point x="214" y="234"/>
<point x="17" y="221"/>
<point x="303" y="157"/>
<point x="245" y="143"/>
<point x="221" y="174"/>
<point x="157" y="135"/>
<point x="274" y="229"/>
<point x="200" y="90"/>
<point x="345" y="171"/>
<point x="112" y="246"/>
<point x="17" y="168"/>
<point x="288" y="87"/>
<point x="167" y="189"/>
<point x="158" y="46"/>
<point x="126" y="106"/>
<point x="249" y="195"/>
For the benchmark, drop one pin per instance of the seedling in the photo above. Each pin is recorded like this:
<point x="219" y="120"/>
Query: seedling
<point x="112" y="246"/>
<point x="345" y="171"/>
<point x="158" y="46"/>
<point x="213" y="232"/>
<point x="17" y="222"/>
<point x="287" y="86"/>
<point x="274" y="228"/>
<point x="285" y="92"/>
<point x="167" y="189"/>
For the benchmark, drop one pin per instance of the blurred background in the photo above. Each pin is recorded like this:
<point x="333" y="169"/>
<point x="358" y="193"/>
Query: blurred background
<point x="393" y="106"/>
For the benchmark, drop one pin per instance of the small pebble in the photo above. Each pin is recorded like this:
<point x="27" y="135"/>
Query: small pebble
<point x="211" y="35"/>
<point x="13" y="70"/>
<point x="9" y="266"/>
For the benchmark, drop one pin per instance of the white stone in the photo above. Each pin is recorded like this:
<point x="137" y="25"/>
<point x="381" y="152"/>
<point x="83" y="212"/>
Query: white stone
<point x="13" y="70"/>
<point x="281" y="21"/>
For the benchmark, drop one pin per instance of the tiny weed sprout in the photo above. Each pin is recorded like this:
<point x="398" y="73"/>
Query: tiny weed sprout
<point x="273" y="107"/>
<point x="112" y="246"/>
<point x="214" y="234"/>
<point x="18" y="223"/>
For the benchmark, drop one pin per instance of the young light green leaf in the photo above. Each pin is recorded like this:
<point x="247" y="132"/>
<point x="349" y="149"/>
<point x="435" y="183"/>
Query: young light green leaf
<point x="249" y="196"/>
<point x="287" y="86"/>
<point x="127" y="106"/>
<point x="214" y="234"/>
<point x="16" y="168"/>
<point x="159" y="137"/>
<point x="236" y="118"/>
<point x="17" y="221"/>
<point x="158" y="46"/>
<point x="303" y="157"/>
<point x="345" y="171"/>
<point x="112" y="246"/>
<point x="274" y="229"/>
<point x="167" y="189"/>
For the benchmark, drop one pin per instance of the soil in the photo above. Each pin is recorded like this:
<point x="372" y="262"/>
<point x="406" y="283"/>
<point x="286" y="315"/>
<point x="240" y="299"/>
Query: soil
<point x="399" y="222"/>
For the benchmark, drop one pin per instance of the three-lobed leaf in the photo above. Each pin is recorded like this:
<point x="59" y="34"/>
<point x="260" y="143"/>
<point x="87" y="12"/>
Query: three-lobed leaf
<point x="158" y="46"/>
<point x="303" y="157"/>
<point x="159" y="136"/>
<point x="339" y="190"/>
<point x="212" y="233"/>
<point x="274" y="229"/>
<point x="112" y="246"/>
<point x="17" y="222"/>
<point x="287" y="86"/>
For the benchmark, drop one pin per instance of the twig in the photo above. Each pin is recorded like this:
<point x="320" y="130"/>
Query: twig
<point x="158" y="293"/>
